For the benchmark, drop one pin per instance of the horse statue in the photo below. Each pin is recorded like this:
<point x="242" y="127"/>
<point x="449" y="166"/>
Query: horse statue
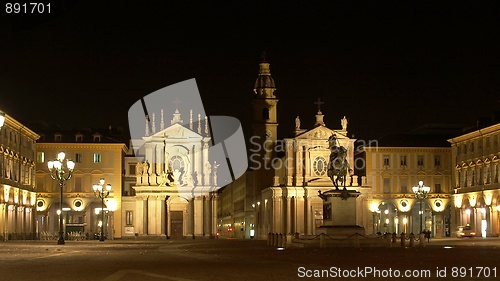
<point x="338" y="166"/>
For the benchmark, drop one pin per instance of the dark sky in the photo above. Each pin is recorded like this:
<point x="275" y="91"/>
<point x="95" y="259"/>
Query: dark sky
<point x="387" y="66"/>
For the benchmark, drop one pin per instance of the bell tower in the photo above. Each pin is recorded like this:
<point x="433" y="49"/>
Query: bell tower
<point x="264" y="126"/>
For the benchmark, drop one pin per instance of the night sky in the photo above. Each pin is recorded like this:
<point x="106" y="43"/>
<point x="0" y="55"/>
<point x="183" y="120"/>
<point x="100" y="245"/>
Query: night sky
<point x="387" y="66"/>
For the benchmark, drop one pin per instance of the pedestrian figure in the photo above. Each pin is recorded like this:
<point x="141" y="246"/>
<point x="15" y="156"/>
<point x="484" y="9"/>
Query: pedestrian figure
<point x="427" y="234"/>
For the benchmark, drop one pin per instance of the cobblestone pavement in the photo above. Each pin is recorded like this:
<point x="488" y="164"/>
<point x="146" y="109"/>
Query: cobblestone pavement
<point x="198" y="259"/>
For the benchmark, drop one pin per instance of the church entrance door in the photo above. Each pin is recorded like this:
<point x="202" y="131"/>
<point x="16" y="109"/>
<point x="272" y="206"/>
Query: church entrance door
<point x="176" y="224"/>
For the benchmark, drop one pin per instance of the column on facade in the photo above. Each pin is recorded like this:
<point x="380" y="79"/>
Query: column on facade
<point x="299" y="213"/>
<point x="198" y="164"/>
<point x="198" y="216"/>
<point x="3" y="220"/>
<point x="150" y="158"/>
<point x="309" y="215"/>
<point x="213" y="198"/>
<point x="288" y="210"/>
<point x="206" y="174"/>
<point x="163" y="211"/>
<point x="307" y="163"/>
<point x="160" y="158"/>
<point x="155" y="215"/>
<point x="206" y="214"/>
<point x="290" y="171"/>
<point x="169" y="221"/>
<point x="278" y="212"/>
<point x="298" y="166"/>
<point x="141" y="215"/>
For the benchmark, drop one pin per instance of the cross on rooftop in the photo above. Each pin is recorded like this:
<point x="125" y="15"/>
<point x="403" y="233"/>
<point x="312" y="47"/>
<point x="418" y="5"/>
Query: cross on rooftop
<point x="319" y="103"/>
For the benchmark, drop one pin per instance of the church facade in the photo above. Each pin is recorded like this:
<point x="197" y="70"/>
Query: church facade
<point x="171" y="189"/>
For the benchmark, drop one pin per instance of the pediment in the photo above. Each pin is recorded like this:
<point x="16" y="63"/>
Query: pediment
<point x="176" y="131"/>
<point x="319" y="133"/>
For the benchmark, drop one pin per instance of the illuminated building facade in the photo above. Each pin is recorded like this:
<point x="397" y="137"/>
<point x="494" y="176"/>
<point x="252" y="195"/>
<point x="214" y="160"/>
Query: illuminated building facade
<point x="476" y="187"/>
<point x="97" y="154"/>
<point x="392" y="170"/>
<point x="169" y="191"/>
<point x="17" y="180"/>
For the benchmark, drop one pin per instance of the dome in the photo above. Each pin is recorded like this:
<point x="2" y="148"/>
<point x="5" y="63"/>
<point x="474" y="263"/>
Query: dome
<point x="264" y="81"/>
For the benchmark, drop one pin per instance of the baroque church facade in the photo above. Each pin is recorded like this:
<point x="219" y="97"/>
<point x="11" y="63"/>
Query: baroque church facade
<point x="171" y="190"/>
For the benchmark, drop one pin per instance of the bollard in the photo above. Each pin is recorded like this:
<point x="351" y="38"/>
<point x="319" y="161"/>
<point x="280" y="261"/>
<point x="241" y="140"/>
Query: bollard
<point x="272" y="239"/>
<point x="269" y="239"/>
<point x="412" y="240"/>
<point x="403" y="241"/>
<point x="421" y="240"/>
<point x="275" y="239"/>
<point x="394" y="238"/>
<point x="322" y="240"/>
<point x="280" y="240"/>
<point x="391" y="239"/>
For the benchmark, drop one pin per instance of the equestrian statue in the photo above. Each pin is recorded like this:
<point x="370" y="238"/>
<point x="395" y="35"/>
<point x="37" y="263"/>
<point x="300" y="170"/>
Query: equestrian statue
<point x="338" y="166"/>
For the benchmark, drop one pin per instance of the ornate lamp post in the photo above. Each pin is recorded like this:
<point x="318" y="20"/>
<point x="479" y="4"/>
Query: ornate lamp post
<point x="2" y="119"/>
<point x="101" y="191"/>
<point x="421" y="193"/>
<point x="57" y="171"/>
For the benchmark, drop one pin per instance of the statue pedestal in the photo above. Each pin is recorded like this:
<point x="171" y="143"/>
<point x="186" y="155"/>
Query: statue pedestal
<point x="339" y="213"/>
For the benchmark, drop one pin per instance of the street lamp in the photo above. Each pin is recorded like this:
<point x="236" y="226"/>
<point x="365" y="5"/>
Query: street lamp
<point x="2" y="119"/>
<point x="101" y="191"/>
<point x="421" y="193"/>
<point x="57" y="171"/>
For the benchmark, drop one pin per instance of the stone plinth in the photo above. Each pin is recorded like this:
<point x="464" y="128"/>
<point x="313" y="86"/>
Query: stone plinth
<point x="339" y="213"/>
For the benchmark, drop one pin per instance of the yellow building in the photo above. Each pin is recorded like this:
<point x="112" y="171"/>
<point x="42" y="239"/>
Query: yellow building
<point x="394" y="165"/>
<point x="97" y="155"/>
<point x="17" y="180"/>
<point x="476" y="193"/>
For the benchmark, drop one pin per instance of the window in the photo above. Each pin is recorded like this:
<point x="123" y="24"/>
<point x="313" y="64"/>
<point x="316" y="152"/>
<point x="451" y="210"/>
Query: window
<point x="79" y="138"/>
<point x="265" y="113"/>
<point x="57" y="137"/>
<point x="437" y="188"/>
<point x="420" y="160"/>
<point x="404" y="185"/>
<point x="97" y="138"/>
<point x="131" y="169"/>
<point x="386" y="160"/>
<point x="320" y="166"/>
<point x="78" y="184"/>
<point x="465" y="149"/>
<point x="437" y="160"/>
<point x="78" y="157"/>
<point x="129" y="218"/>
<point x="387" y="185"/>
<point x="403" y="160"/>
<point x="472" y="147"/>
<point x="97" y="158"/>
<point x="40" y="157"/>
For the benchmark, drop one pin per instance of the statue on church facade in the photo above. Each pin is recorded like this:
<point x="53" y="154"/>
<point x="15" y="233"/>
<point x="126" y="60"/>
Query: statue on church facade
<point x="297" y="123"/>
<point x="338" y="166"/>
<point x="343" y="122"/>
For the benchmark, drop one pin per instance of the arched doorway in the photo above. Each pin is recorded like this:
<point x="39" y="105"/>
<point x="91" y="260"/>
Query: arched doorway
<point x="421" y="217"/>
<point x="386" y="218"/>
